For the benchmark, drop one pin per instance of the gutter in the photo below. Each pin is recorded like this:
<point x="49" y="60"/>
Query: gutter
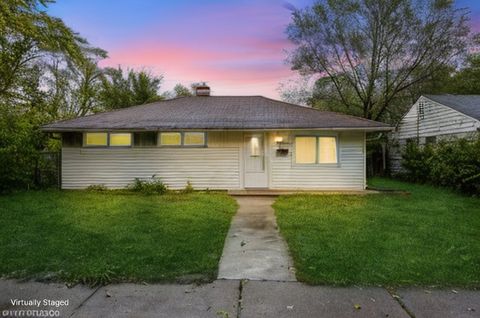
<point x="367" y="129"/>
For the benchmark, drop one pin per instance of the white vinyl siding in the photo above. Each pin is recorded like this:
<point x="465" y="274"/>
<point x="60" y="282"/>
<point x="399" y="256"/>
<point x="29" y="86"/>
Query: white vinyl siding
<point x="218" y="166"/>
<point x="214" y="168"/>
<point x="438" y="121"/>
<point x="348" y="174"/>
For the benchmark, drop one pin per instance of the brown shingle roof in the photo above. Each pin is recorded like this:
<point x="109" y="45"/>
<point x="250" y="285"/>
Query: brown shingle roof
<point x="216" y="112"/>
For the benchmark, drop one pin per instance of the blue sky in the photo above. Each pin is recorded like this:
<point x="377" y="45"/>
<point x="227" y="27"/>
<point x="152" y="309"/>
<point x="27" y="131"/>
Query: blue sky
<point x="238" y="47"/>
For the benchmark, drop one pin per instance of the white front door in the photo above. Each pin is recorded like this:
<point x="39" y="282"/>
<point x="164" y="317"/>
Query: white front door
<point x="255" y="163"/>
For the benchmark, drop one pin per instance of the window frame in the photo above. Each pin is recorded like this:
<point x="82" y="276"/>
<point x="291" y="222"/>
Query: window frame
<point x="108" y="145"/>
<point x="317" y="151"/>
<point x="295" y="150"/>
<point x="84" y="141"/>
<point x="135" y="136"/>
<point x="75" y="136"/>
<point x="198" y="145"/>
<point x="159" y="141"/>
<point x="120" y="146"/>
<point x="421" y="110"/>
<point x="182" y="139"/>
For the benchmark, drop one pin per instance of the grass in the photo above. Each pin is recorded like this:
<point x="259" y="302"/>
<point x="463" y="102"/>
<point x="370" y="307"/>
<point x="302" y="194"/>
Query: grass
<point x="95" y="238"/>
<point x="428" y="238"/>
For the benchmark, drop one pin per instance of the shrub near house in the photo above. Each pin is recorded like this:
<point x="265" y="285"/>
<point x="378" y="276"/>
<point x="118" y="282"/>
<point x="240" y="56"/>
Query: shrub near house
<point x="454" y="163"/>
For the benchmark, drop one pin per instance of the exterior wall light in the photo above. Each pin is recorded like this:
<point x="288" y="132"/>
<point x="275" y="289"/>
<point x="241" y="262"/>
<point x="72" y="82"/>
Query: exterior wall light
<point x="281" y="151"/>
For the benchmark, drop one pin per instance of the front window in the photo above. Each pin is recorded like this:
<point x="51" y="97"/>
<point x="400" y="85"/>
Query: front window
<point x="170" y="139"/>
<point x="305" y="149"/>
<point x="145" y="139"/>
<point x="187" y="139"/>
<point x="315" y="150"/>
<point x="327" y="150"/>
<point x="120" y="139"/>
<point x="96" y="139"/>
<point x="194" y="139"/>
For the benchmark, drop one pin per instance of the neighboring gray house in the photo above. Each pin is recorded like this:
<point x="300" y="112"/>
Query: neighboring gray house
<point x="433" y="118"/>
<point x="216" y="142"/>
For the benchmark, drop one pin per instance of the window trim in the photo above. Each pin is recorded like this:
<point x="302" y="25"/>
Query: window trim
<point x="159" y="139"/>
<point x="120" y="146"/>
<point x="317" y="148"/>
<point x="84" y="141"/>
<point x="295" y="150"/>
<point x="195" y="146"/>
<point x="182" y="139"/>
<point x="155" y="145"/>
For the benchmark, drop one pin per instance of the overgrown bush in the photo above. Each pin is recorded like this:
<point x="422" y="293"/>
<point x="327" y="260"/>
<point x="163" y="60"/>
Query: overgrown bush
<point x="453" y="163"/>
<point x="21" y="147"/>
<point x="416" y="162"/>
<point x="148" y="186"/>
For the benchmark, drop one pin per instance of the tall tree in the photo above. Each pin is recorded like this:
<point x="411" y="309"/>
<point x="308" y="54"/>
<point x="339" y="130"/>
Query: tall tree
<point x="26" y="34"/>
<point x="370" y="52"/>
<point x="30" y="40"/>
<point x="73" y="88"/>
<point x="181" y="91"/>
<point x="466" y="80"/>
<point x="134" y="88"/>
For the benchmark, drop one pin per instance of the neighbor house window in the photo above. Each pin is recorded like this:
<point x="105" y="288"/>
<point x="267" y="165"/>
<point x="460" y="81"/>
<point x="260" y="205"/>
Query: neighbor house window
<point x="96" y="139"/>
<point x="315" y="149"/>
<point x="421" y="110"/>
<point x="170" y="139"/>
<point x="194" y="139"/>
<point x="120" y="139"/>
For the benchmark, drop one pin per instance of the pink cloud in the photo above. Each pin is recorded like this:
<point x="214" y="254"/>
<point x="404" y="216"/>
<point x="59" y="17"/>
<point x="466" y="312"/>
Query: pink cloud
<point x="241" y="47"/>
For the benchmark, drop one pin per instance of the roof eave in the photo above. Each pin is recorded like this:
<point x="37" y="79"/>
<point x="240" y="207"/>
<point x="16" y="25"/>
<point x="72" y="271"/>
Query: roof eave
<point x="64" y="129"/>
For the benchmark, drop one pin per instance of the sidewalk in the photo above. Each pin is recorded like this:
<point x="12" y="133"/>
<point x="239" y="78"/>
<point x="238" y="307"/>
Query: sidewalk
<point x="253" y="248"/>
<point x="256" y="299"/>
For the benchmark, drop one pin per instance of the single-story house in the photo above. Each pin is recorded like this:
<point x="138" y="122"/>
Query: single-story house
<point x="216" y="142"/>
<point x="433" y="118"/>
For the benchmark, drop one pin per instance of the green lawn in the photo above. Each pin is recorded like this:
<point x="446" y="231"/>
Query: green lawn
<point x="100" y="237"/>
<point x="430" y="237"/>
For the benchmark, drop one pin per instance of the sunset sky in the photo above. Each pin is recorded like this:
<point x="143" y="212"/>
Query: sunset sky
<point x="237" y="47"/>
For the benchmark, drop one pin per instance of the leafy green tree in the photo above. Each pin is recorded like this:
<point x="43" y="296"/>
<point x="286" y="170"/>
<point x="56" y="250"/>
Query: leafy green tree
<point x="466" y="80"/>
<point x="370" y="53"/>
<point x="31" y="42"/>
<point x="181" y="91"/>
<point x="73" y="88"/>
<point x="26" y="33"/>
<point x="136" y="88"/>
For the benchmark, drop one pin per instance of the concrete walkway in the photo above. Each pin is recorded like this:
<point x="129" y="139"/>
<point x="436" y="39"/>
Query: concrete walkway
<point x="234" y="298"/>
<point x="253" y="248"/>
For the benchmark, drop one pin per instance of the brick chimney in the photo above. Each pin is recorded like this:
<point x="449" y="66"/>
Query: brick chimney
<point x="202" y="90"/>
